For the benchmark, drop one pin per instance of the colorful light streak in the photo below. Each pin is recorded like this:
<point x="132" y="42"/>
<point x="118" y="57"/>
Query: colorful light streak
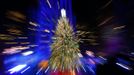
<point x="13" y="50"/>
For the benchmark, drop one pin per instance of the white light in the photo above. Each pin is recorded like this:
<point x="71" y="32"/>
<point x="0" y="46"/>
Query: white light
<point x="39" y="71"/>
<point x="47" y="31"/>
<point x="25" y="69"/>
<point x="124" y="66"/>
<point x="63" y="12"/>
<point x="34" y="24"/>
<point x="80" y="55"/>
<point x="47" y="69"/>
<point x="27" y="53"/>
<point x="103" y="58"/>
<point x="55" y="69"/>
<point x="32" y="45"/>
<point x="84" y="69"/>
<point x="49" y="4"/>
<point x="120" y="27"/>
<point x="17" y="68"/>
<point x="132" y="53"/>
<point x="77" y="69"/>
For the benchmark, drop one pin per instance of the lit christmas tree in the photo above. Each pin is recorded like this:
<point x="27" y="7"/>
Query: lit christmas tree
<point x="65" y="48"/>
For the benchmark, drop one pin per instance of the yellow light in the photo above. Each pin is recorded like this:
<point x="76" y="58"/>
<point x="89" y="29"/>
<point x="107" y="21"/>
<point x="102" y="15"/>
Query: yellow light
<point x="25" y="43"/>
<point x="11" y="42"/>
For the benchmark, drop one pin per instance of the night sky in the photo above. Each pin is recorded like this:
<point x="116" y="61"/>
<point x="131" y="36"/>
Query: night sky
<point x="88" y="10"/>
<point x="85" y="11"/>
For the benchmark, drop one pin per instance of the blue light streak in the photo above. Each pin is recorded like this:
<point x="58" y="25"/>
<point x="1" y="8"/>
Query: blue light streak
<point x="25" y="69"/>
<point x="44" y="21"/>
<point x="48" y="13"/>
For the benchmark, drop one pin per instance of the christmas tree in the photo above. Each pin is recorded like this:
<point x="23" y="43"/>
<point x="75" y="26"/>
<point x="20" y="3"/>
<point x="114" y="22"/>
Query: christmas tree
<point x="65" y="48"/>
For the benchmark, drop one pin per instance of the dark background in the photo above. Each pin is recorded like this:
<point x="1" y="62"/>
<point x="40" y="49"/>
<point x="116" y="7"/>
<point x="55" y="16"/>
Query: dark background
<point x="89" y="13"/>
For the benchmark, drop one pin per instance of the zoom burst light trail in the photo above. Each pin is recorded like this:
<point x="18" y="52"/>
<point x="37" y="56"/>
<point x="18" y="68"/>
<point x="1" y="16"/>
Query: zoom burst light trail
<point x="46" y="17"/>
<point x="17" y="68"/>
<point x="27" y="53"/>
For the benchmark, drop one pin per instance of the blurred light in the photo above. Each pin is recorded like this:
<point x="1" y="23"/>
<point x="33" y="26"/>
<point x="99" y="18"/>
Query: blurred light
<point x="99" y="60"/>
<point x="20" y="48"/>
<point x="91" y="61"/>
<point x="105" y="21"/>
<point x="90" y="53"/>
<point x="25" y="69"/>
<point x="73" y="72"/>
<point x="43" y="35"/>
<point x="16" y="16"/>
<point x="132" y="53"/>
<point x="27" y="53"/>
<point x="45" y="41"/>
<point x="34" y="24"/>
<point x="107" y="4"/>
<point x="14" y="31"/>
<point x="10" y="51"/>
<point x="22" y="37"/>
<point x="49" y="4"/>
<point x="124" y="66"/>
<point x="80" y="55"/>
<point x="58" y="5"/>
<point x="83" y="68"/>
<point x="77" y="69"/>
<point x="43" y="64"/>
<point x="120" y="27"/>
<point x="11" y="42"/>
<point x="131" y="59"/>
<point x="55" y="69"/>
<point x="46" y="69"/>
<point x="32" y="29"/>
<point x="17" y="68"/>
<point x="103" y="58"/>
<point x="54" y="38"/>
<point x="32" y="45"/>
<point x="25" y="43"/>
<point x="46" y="30"/>
<point x="6" y="37"/>
<point x="63" y="12"/>
<point x="13" y="50"/>
<point x="39" y="71"/>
